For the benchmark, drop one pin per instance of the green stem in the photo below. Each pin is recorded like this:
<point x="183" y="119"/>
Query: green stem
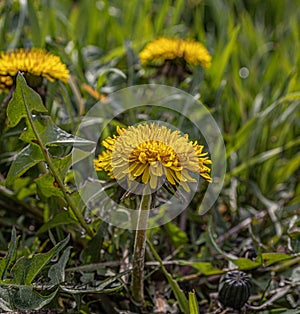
<point x="137" y="281"/>
<point x="67" y="196"/>
<point x="57" y="177"/>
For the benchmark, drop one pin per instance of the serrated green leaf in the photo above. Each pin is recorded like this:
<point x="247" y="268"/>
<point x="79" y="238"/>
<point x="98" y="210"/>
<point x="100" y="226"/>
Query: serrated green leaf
<point x="26" y="158"/>
<point x="193" y="305"/>
<point x="47" y="187"/>
<point x="65" y="217"/>
<point x="26" y="298"/>
<point x="26" y="269"/>
<point x="56" y="272"/>
<point x="24" y="100"/>
<point x="41" y="128"/>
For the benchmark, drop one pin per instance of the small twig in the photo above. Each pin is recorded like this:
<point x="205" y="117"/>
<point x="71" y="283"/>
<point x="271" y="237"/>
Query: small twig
<point x="278" y="293"/>
<point x="95" y="266"/>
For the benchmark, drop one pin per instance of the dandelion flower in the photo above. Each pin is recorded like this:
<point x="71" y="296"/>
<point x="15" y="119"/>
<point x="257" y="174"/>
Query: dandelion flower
<point x="6" y="82"/>
<point x="165" y="49"/>
<point x="33" y="62"/>
<point x="151" y="154"/>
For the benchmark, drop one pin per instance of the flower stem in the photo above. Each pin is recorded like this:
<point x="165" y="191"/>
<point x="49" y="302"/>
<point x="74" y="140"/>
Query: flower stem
<point x="137" y="281"/>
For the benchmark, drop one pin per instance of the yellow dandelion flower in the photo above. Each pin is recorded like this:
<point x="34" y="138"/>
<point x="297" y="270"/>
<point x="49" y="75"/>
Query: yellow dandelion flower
<point x="164" y="49"/>
<point x="150" y="153"/>
<point x="6" y="82"/>
<point x="35" y="62"/>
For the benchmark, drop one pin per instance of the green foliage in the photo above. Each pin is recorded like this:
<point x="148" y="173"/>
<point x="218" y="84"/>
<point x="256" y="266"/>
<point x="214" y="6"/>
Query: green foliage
<point x="179" y="294"/>
<point x="26" y="269"/>
<point x="193" y="305"/>
<point x="17" y="290"/>
<point x="41" y="132"/>
<point x="54" y="251"/>
<point x="21" y="287"/>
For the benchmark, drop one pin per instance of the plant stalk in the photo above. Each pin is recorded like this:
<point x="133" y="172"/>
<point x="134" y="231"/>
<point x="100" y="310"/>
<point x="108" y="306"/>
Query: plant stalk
<point x="137" y="281"/>
<point x="57" y="177"/>
<point x="68" y="198"/>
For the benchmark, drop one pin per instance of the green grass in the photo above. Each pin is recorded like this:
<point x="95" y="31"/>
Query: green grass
<point x="252" y="90"/>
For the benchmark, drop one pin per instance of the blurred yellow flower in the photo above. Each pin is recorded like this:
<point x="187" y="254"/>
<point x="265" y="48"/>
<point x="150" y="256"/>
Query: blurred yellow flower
<point x="165" y="49"/>
<point x="150" y="153"/>
<point x="6" y="82"/>
<point x="35" y="62"/>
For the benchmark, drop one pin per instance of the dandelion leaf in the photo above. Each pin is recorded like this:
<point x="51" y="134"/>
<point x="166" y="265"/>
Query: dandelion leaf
<point x="26" y="269"/>
<point x="27" y="158"/>
<point x="24" y="102"/>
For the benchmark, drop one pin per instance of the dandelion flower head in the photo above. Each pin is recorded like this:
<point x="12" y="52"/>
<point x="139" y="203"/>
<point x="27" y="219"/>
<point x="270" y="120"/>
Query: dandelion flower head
<point x="151" y="154"/>
<point x="36" y="62"/>
<point x="164" y="49"/>
<point x="5" y="82"/>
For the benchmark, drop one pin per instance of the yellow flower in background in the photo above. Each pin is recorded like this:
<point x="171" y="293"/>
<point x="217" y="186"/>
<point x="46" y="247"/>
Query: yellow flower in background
<point x="150" y="153"/>
<point x="165" y="49"/>
<point x="6" y="82"/>
<point x="35" y="62"/>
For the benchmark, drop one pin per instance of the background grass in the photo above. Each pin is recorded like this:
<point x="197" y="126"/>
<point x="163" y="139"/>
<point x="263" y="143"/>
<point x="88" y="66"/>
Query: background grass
<point x="253" y="91"/>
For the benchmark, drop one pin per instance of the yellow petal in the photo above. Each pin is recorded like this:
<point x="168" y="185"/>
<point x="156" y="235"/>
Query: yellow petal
<point x="185" y="186"/>
<point x="170" y="177"/>
<point x="139" y="170"/>
<point x="153" y="181"/>
<point x="146" y="176"/>
<point x="156" y="169"/>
